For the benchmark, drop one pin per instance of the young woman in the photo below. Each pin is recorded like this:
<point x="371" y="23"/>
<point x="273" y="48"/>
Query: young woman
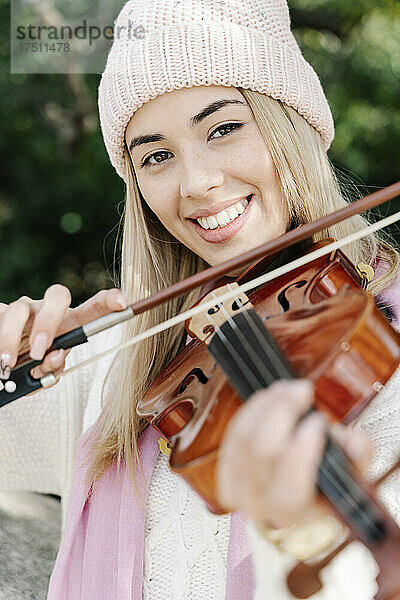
<point x="219" y="129"/>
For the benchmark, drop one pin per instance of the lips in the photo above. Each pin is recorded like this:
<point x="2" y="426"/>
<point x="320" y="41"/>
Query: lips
<point x="216" y="209"/>
<point x="223" y="233"/>
<point x="226" y="207"/>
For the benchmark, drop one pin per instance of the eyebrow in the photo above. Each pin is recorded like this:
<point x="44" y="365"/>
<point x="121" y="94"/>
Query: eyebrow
<point x="208" y="110"/>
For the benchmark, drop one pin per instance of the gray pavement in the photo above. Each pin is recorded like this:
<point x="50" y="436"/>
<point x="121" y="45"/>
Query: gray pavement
<point x="29" y="539"/>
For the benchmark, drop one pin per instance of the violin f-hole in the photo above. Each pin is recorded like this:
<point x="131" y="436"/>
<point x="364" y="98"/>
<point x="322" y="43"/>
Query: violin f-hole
<point x="283" y="301"/>
<point x="282" y="298"/>
<point x="195" y="373"/>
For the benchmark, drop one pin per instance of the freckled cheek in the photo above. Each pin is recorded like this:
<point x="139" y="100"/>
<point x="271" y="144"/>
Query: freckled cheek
<point x="264" y="166"/>
<point x="262" y="173"/>
<point x="157" y="198"/>
<point x="254" y="164"/>
<point x="167" y="213"/>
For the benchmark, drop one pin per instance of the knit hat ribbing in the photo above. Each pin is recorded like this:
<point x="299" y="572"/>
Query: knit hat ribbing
<point x="185" y="43"/>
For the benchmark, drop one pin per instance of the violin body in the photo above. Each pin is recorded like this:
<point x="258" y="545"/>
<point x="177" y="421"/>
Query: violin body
<point x="329" y="331"/>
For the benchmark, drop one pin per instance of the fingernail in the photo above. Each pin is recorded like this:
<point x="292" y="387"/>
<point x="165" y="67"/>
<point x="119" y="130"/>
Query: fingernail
<point x="39" y="346"/>
<point x="122" y="302"/>
<point x="5" y="365"/>
<point x="317" y="419"/>
<point x="35" y="373"/>
<point x="56" y="359"/>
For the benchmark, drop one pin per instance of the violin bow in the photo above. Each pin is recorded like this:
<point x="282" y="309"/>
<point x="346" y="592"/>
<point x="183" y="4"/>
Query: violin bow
<point x="22" y="383"/>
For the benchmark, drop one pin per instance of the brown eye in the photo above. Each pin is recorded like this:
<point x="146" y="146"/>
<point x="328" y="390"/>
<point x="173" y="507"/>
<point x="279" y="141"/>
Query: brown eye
<point x="155" y="154"/>
<point x="229" y="127"/>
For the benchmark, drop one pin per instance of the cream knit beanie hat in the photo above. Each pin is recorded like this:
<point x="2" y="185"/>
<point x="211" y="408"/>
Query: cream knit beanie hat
<point x="185" y="43"/>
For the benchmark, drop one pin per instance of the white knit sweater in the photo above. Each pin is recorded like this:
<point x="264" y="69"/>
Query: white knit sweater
<point x="185" y="546"/>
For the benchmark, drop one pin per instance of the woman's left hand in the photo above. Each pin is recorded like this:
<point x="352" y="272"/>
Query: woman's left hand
<point x="269" y="457"/>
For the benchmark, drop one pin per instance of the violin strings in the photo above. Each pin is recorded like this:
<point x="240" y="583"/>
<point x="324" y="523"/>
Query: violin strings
<point x="273" y="357"/>
<point x="263" y="371"/>
<point x="348" y="497"/>
<point x="338" y="476"/>
<point x="253" y="381"/>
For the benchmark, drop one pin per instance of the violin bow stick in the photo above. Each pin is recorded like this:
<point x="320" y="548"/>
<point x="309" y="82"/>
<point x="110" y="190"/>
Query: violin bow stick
<point x="22" y="383"/>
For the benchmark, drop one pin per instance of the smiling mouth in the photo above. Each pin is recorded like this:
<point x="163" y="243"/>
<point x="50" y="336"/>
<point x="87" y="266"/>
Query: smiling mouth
<point x="225" y="217"/>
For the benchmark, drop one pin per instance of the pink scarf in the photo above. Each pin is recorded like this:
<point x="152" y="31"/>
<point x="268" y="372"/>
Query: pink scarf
<point x="101" y="554"/>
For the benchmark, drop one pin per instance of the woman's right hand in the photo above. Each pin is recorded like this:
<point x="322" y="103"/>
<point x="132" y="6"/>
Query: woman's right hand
<point x="31" y="325"/>
<point x="270" y="454"/>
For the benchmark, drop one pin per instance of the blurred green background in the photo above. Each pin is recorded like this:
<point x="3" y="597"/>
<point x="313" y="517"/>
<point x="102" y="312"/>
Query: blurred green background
<point x="60" y="199"/>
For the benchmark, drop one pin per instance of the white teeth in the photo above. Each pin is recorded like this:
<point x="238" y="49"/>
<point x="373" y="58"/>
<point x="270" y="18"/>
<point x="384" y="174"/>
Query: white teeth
<point x="232" y="212"/>
<point x="224" y="217"/>
<point x="240" y="208"/>
<point x="212" y="222"/>
<point x="203" y="222"/>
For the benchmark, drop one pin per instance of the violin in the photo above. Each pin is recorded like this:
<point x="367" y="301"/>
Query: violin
<point x="317" y="322"/>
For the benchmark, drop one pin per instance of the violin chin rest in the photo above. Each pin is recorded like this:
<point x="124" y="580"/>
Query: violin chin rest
<point x="303" y="580"/>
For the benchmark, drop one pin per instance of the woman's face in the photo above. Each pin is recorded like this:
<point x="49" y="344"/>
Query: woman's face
<point x="203" y="168"/>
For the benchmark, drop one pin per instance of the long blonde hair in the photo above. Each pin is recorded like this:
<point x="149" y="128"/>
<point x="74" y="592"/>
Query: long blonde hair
<point x="152" y="259"/>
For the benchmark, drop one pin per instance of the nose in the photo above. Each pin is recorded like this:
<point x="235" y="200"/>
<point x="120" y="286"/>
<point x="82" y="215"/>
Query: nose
<point x="199" y="175"/>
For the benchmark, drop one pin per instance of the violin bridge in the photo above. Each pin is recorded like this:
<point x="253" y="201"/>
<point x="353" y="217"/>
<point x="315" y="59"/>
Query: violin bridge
<point x="204" y="324"/>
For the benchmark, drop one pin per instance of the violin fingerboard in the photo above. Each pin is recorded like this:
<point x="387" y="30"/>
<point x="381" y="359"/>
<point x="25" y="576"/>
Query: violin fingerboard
<point x="248" y="355"/>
